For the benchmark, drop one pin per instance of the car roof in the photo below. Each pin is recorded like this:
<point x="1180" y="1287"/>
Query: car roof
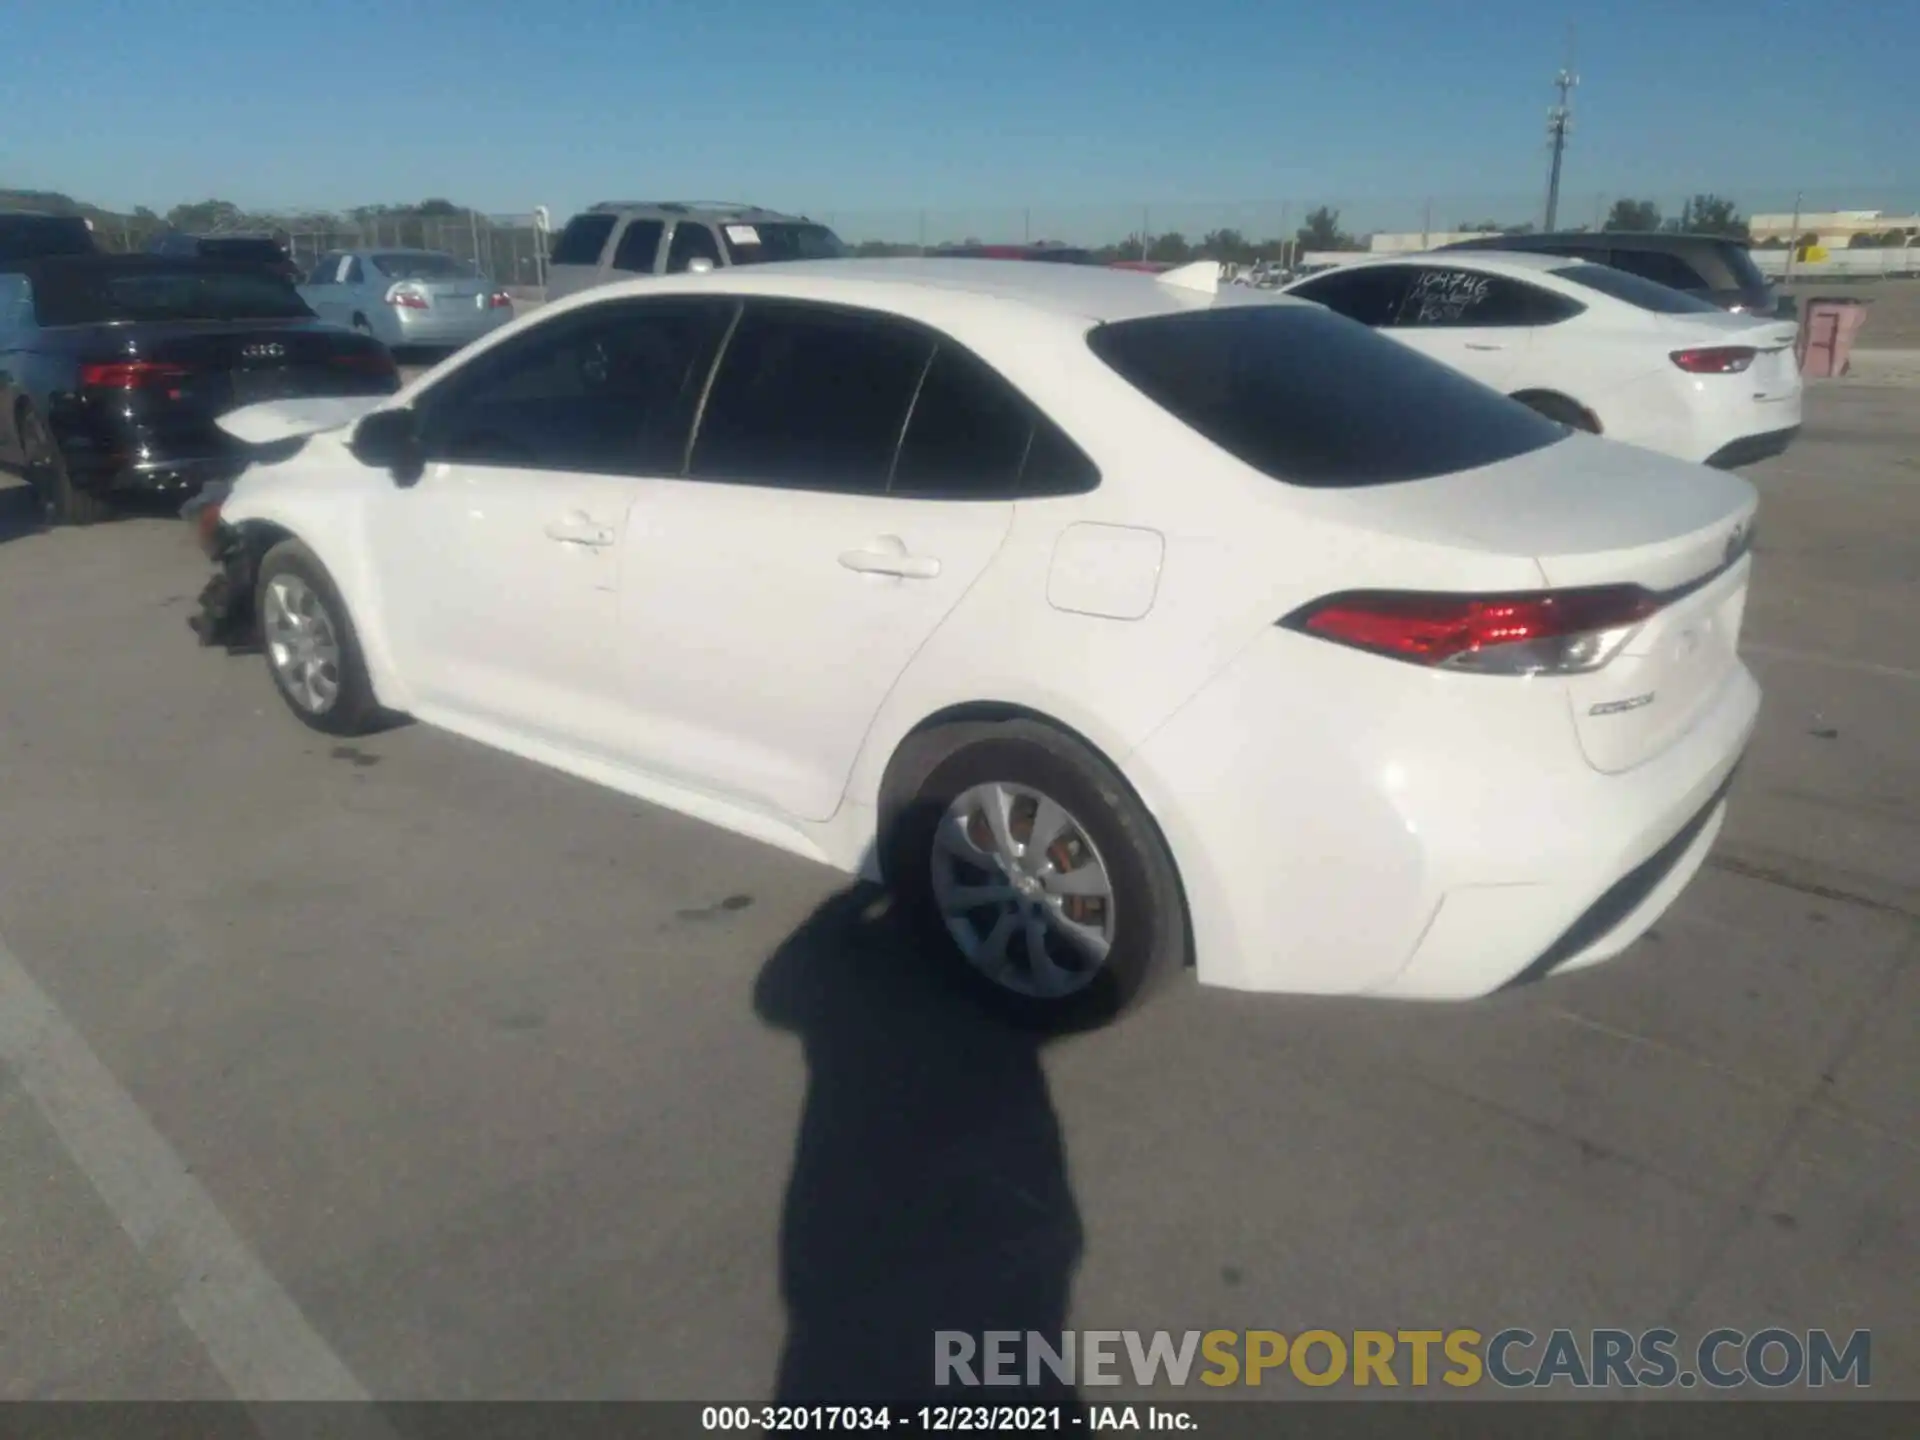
<point x="1515" y="262"/>
<point x="727" y="209"/>
<point x="1091" y="294"/>
<point x="1643" y="239"/>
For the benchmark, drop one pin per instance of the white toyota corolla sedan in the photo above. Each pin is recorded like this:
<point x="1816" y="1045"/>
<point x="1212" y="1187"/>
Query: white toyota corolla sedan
<point x="1121" y="623"/>
<point x="1595" y="347"/>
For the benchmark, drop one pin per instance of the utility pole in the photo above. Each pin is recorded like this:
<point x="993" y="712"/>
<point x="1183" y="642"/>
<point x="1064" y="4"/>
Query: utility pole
<point x="1559" y="126"/>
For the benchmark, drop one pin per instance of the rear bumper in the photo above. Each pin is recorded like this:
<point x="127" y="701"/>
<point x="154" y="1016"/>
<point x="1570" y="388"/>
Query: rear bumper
<point x="1416" y="842"/>
<point x="427" y="328"/>
<point x="1751" y="449"/>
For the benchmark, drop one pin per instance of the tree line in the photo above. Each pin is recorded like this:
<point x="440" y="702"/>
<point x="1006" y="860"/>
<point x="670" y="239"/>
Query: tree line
<point x="429" y="222"/>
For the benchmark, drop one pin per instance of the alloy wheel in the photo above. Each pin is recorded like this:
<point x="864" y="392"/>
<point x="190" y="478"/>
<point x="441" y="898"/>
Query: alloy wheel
<point x="302" y="643"/>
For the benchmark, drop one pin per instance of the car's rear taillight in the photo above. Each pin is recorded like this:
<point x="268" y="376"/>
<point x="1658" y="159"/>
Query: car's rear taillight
<point x="406" y="297"/>
<point x="1547" y="632"/>
<point x="500" y="300"/>
<point x="130" y="375"/>
<point x="1715" y="359"/>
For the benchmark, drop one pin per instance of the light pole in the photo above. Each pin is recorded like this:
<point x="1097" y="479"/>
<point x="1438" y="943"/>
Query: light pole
<point x="1559" y="126"/>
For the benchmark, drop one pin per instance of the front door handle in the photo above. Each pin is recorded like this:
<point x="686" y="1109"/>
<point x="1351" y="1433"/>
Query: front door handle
<point x="579" y="529"/>
<point x="888" y="556"/>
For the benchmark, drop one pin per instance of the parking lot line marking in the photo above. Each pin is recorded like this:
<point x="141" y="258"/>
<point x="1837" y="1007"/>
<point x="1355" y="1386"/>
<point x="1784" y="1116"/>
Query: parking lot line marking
<point x="1836" y="662"/>
<point x="253" y="1331"/>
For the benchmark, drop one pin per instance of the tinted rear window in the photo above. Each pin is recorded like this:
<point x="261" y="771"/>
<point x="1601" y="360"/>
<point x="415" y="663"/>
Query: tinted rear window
<point x="582" y="241"/>
<point x="782" y="240"/>
<point x="424" y="266"/>
<point x="29" y="237"/>
<point x="91" y="297"/>
<point x="251" y="252"/>
<point x="1310" y="398"/>
<point x="1645" y="294"/>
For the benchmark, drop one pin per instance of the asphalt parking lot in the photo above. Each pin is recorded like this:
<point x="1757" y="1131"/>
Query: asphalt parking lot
<point x="407" y="1069"/>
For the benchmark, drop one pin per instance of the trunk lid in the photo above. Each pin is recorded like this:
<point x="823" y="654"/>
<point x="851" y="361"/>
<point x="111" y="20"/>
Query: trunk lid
<point x="1775" y="372"/>
<point x="1593" y="512"/>
<point x="235" y="363"/>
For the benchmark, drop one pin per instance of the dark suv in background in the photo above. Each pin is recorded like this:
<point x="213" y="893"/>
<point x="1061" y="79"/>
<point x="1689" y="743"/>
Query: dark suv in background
<point x="36" y="235"/>
<point x="1710" y="266"/>
<point x="250" y="249"/>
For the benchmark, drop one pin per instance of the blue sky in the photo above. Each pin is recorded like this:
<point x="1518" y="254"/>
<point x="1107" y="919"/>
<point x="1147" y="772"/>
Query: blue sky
<point x="865" y="105"/>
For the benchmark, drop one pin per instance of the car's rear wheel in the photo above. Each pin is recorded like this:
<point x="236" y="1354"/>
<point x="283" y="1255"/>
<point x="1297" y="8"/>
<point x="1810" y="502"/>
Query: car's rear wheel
<point x="1042" y="879"/>
<point x="312" y="650"/>
<point x="60" y="502"/>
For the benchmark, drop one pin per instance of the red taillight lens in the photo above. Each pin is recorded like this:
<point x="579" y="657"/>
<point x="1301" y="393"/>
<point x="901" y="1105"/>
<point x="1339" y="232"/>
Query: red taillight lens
<point x="500" y="300"/>
<point x="130" y="375"/>
<point x="1548" y="632"/>
<point x="1715" y="359"/>
<point x="406" y="299"/>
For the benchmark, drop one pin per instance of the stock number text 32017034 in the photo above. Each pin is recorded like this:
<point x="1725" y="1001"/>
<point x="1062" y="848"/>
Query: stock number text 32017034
<point x="932" y="1419"/>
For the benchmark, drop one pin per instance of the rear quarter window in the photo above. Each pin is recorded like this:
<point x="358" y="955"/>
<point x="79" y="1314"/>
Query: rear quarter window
<point x="582" y="241"/>
<point x="1311" y="399"/>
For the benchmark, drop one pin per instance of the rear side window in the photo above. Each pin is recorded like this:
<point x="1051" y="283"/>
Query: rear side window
<point x="1370" y="294"/>
<point x="1643" y="294"/>
<point x="1440" y="298"/>
<point x="639" y="246"/>
<point x="691" y="241"/>
<point x="582" y="241"/>
<point x="968" y="435"/>
<point x="1660" y="266"/>
<point x="764" y="241"/>
<point x="1307" y="398"/>
<point x="810" y="397"/>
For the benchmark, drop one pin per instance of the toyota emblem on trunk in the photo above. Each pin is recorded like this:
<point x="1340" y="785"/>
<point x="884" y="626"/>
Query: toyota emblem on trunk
<point x="263" y="352"/>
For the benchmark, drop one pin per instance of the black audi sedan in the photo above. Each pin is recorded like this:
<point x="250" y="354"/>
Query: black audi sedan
<point x="114" y="370"/>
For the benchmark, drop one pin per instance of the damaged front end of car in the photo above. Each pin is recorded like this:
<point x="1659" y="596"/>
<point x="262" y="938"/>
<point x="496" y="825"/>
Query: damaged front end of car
<point x="225" y="613"/>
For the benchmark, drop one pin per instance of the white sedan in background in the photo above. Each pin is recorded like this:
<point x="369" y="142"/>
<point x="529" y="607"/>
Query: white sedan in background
<point x="1593" y="347"/>
<point x="1121" y="623"/>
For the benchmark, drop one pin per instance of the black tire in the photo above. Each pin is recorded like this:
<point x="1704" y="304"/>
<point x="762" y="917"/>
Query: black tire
<point x="352" y="709"/>
<point x="1560" y="408"/>
<point x="1149" y="916"/>
<point x="60" y="502"/>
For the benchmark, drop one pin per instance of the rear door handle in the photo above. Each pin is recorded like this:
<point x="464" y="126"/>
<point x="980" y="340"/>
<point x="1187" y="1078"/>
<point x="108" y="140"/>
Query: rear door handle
<point x="579" y="529"/>
<point x="1472" y="345"/>
<point x="891" y="561"/>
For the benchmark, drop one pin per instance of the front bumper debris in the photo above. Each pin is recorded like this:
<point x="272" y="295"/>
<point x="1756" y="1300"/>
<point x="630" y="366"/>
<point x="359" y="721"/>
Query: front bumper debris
<point x="225" y="615"/>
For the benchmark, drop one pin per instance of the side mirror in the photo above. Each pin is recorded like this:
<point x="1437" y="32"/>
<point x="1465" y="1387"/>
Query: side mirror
<point x="390" y="439"/>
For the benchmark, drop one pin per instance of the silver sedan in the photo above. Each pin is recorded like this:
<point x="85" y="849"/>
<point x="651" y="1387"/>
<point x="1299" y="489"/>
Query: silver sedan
<point x="407" y="299"/>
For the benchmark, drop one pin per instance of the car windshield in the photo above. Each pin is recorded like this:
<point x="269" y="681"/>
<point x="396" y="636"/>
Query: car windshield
<point x="88" y="296"/>
<point x="423" y="265"/>
<point x="765" y="241"/>
<point x="1643" y="294"/>
<point x="1310" y="398"/>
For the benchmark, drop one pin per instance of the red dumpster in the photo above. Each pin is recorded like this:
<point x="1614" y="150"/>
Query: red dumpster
<point x="1827" y="327"/>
